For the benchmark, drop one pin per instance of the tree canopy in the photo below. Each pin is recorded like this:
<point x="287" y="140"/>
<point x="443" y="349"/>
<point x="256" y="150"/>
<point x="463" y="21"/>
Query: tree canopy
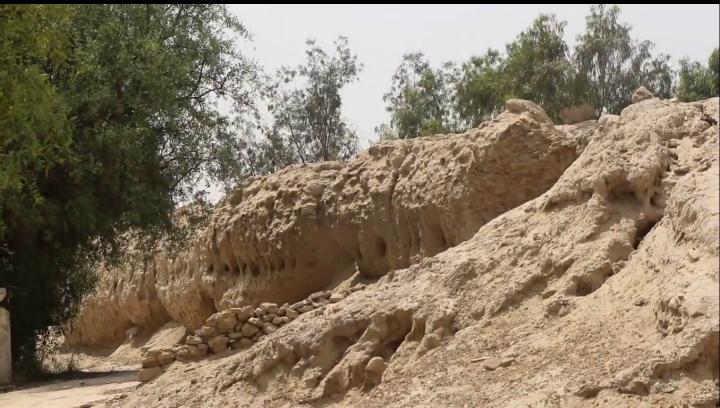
<point x="108" y="117"/>
<point x="597" y="76"/>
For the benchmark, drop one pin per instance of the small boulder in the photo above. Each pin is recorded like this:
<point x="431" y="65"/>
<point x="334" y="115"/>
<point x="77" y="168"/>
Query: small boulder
<point x="243" y="313"/>
<point x="306" y="308"/>
<point x="375" y="369"/>
<point x="235" y="335"/>
<point x="257" y="336"/>
<point x="318" y="295"/>
<point x="202" y="349"/>
<point x="223" y="322"/>
<point x="641" y="94"/>
<point x="494" y="363"/>
<point x="336" y="297"/>
<point x="319" y="302"/>
<point x="270" y="308"/>
<point x="193" y="340"/>
<point x="255" y="321"/>
<point x="269" y="317"/>
<point x="188" y="353"/>
<point x="218" y="344"/>
<point x="291" y="314"/>
<point x="149" y="361"/>
<point x="241" y="344"/>
<point x="149" y="374"/>
<point x="519" y="106"/>
<point x="249" y="330"/>
<point x="165" y="356"/>
<point x="206" y="332"/>
<point x="269" y="328"/>
<point x="279" y="320"/>
<point x="296" y="306"/>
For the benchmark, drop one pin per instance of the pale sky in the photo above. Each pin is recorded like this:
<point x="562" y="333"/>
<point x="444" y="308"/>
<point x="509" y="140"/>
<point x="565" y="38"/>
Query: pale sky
<point x="381" y="34"/>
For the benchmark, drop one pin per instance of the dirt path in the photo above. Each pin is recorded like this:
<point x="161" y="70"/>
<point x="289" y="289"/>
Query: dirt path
<point x="85" y="392"/>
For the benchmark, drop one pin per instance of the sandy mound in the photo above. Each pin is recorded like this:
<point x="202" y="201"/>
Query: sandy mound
<point x="593" y="284"/>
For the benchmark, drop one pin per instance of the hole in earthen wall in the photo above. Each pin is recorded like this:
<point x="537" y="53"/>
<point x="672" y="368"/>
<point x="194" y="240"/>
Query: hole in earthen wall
<point x="642" y="230"/>
<point x="254" y="270"/>
<point x="583" y="287"/>
<point x="381" y="248"/>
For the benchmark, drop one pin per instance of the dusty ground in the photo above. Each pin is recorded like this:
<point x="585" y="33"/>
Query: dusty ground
<point x="85" y="392"/>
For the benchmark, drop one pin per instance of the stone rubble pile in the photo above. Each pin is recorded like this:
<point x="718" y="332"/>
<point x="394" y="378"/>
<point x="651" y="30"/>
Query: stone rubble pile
<point x="235" y="328"/>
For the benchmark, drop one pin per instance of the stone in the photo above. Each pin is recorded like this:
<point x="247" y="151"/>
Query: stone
<point x="165" y="357"/>
<point x="278" y="320"/>
<point x="319" y="302"/>
<point x="270" y="308"/>
<point x="190" y="353"/>
<point x="359" y="286"/>
<point x="249" y="329"/>
<point x="318" y="295"/>
<point x="374" y="369"/>
<point x="149" y="374"/>
<point x="283" y="308"/>
<point x="235" y="335"/>
<point x="269" y="317"/>
<point x="641" y="94"/>
<point x="218" y="344"/>
<point x="223" y="322"/>
<point x="150" y="361"/>
<point x="257" y="336"/>
<point x="193" y="340"/>
<point x="256" y="321"/>
<point x="336" y="297"/>
<point x="242" y="314"/>
<point x="306" y="308"/>
<point x="206" y="332"/>
<point x="202" y="349"/>
<point x="291" y="314"/>
<point x="520" y="106"/>
<point x="259" y="312"/>
<point x="241" y="344"/>
<point x="492" y="363"/>
<point x="296" y="306"/>
<point x="269" y="328"/>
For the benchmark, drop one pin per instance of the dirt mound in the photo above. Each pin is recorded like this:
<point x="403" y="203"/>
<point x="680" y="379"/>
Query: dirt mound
<point x="287" y="235"/>
<point x="601" y="291"/>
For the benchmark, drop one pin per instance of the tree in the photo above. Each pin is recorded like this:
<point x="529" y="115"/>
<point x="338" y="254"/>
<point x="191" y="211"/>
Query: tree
<point x="696" y="82"/>
<point x="611" y="65"/>
<point x="108" y="117"/>
<point x="307" y="119"/>
<point x="538" y="67"/>
<point x="480" y="89"/>
<point x="420" y="99"/>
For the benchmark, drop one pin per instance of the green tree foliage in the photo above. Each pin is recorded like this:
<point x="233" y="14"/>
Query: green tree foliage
<point x="611" y="64"/>
<point x="698" y="82"/>
<point x="538" y="67"/>
<point x="108" y="116"/>
<point x="419" y="100"/>
<point x="602" y="73"/>
<point x="306" y="109"/>
<point x="479" y="89"/>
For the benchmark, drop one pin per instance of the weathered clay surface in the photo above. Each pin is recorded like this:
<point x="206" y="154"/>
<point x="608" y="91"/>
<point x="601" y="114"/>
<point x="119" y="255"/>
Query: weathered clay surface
<point x="602" y="291"/>
<point x="307" y="227"/>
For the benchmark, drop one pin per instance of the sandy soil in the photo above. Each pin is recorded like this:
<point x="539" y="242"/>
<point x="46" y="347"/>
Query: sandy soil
<point x="85" y="392"/>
